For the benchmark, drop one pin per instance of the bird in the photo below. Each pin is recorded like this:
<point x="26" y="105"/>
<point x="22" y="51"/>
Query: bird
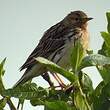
<point x="55" y="45"/>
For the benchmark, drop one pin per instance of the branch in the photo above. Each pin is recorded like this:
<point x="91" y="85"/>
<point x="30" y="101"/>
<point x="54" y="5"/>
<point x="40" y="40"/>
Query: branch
<point x="11" y="105"/>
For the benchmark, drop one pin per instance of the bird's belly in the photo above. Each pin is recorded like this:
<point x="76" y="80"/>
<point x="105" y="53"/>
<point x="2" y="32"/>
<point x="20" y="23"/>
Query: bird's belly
<point x="65" y="61"/>
<point x="63" y="57"/>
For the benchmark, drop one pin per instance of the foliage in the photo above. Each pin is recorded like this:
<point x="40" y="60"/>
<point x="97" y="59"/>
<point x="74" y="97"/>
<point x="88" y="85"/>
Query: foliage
<point x="79" y="94"/>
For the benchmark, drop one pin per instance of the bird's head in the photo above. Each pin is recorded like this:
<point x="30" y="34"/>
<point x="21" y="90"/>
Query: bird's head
<point x="77" y="19"/>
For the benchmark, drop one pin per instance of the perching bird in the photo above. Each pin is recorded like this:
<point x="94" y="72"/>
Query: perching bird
<point x="56" y="44"/>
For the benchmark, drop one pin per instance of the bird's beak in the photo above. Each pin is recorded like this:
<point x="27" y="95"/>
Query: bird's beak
<point x="86" y="19"/>
<point x="89" y="19"/>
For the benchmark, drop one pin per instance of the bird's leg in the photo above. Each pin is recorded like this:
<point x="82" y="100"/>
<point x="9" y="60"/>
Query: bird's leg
<point x="60" y="82"/>
<point x="57" y="78"/>
<point x="47" y="78"/>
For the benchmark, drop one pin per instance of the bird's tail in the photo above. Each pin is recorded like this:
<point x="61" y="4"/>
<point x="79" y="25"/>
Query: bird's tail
<point x="29" y="74"/>
<point x="21" y="81"/>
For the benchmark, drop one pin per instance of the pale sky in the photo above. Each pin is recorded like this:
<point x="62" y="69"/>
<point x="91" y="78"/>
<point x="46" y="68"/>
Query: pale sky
<point x="23" y="22"/>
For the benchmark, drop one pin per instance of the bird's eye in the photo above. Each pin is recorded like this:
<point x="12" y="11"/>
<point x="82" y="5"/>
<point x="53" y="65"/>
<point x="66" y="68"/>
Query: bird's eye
<point x="76" y="19"/>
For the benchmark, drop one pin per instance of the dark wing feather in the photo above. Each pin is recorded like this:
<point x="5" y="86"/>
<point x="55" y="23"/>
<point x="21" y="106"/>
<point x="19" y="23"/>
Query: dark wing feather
<point x="53" y="39"/>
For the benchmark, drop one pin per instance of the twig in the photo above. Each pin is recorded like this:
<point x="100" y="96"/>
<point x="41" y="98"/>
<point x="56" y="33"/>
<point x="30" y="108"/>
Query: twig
<point x="10" y="103"/>
<point x="87" y="104"/>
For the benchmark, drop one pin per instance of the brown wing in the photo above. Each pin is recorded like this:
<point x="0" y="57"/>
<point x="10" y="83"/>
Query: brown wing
<point x="53" y="39"/>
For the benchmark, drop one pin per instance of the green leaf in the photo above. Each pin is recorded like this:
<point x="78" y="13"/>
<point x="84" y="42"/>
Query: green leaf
<point x="36" y="102"/>
<point x="58" y="95"/>
<point x="105" y="97"/>
<point x="101" y="97"/>
<point x="108" y="19"/>
<point x="105" y="50"/>
<point x="76" y="56"/>
<point x="80" y="102"/>
<point x="3" y="103"/>
<point x="104" y="72"/>
<point x="101" y="103"/>
<point x="55" y="68"/>
<point x="86" y="83"/>
<point x="101" y="62"/>
<point x="106" y="90"/>
<point x="51" y="97"/>
<point x="57" y="105"/>
<point x="27" y="91"/>
<point x="1" y="68"/>
<point x="106" y="45"/>
<point x="2" y="71"/>
<point x="95" y="60"/>
<point x="96" y="96"/>
<point x="98" y="90"/>
<point x="106" y="37"/>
